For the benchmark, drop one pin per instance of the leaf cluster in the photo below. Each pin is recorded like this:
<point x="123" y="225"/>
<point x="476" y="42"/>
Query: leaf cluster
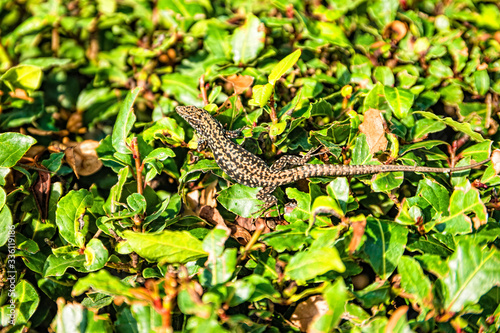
<point x="143" y="233"/>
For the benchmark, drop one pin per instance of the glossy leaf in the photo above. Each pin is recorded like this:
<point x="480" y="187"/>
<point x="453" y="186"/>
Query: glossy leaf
<point x="14" y="146"/>
<point x="247" y="41"/>
<point x="124" y="122"/>
<point x="309" y="264"/>
<point x="460" y="127"/>
<point x="26" y="77"/>
<point x="283" y="66"/>
<point x="384" y="245"/>
<point x="399" y="100"/>
<point x="166" y="246"/>
<point x="472" y="272"/>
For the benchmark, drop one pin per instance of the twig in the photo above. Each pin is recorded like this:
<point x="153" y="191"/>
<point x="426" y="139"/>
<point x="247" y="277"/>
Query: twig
<point x="203" y="90"/>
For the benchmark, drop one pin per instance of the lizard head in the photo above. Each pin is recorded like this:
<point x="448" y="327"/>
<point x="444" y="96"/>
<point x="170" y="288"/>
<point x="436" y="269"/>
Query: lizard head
<point x="198" y="118"/>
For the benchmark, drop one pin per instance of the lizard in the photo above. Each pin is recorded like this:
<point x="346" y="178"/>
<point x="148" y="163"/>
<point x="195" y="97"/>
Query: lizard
<point x="247" y="169"/>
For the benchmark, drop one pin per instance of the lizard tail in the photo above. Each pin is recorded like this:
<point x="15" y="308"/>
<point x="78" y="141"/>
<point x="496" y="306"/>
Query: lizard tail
<point x="319" y="170"/>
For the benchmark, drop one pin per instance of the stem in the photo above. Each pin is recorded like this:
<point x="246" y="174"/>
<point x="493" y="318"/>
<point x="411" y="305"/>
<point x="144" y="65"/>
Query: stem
<point x="203" y="90"/>
<point x="258" y="231"/>
<point x="273" y="115"/>
<point x="138" y="165"/>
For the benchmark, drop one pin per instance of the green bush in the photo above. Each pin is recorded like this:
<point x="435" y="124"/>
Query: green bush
<point x="110" y="220"/>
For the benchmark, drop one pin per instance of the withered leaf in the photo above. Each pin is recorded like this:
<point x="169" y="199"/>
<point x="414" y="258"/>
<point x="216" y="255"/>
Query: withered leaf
<point x="41" y="192"/>
<point x="82" y="158"/>
<point x="240" y="82"/>
<point x="373" y="127"/>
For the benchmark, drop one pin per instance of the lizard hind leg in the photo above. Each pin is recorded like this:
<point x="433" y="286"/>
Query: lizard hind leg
<point x="268" y="199"/>
<point x="293" y="160"/>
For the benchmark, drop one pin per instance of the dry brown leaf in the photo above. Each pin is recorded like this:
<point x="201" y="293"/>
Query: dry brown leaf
<point x="21" y="94"/>
<point x="240" y="82"/>
<point x="193" y="200"/>
<point x="495" y="160"/>
<point x="35" y="151"/>
<point x="358" y="230"/>
<point x="212" y="216"/>
<point x="82" y="157"/>
<point x="373" y="127"/>
<point x="396" y="315"/>
<point x="307" y="311"/>
<point x="36" y="131"/>
<point x="396" y="30"/>
<point x="208" y="194"/>
<point x="245" y="222"/>
<point x="75" y="123"/>
<point x="41" y="192"/>
<point x="241" y="235"/>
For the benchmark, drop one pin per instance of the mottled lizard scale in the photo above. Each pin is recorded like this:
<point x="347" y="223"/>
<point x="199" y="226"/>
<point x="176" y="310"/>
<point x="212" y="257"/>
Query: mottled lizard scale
<point x="247" y="169"/>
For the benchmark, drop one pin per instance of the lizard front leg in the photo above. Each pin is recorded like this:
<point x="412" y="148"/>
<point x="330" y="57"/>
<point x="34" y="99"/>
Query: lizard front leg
<point x="202" y="145"/>
<point x="233" y="134"/>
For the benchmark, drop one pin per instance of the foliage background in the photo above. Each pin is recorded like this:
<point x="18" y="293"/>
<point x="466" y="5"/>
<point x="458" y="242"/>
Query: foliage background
<point x="400" y="252"/>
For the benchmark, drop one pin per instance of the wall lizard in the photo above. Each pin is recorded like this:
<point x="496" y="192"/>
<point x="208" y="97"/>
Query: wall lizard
<point x="245" y="168"/>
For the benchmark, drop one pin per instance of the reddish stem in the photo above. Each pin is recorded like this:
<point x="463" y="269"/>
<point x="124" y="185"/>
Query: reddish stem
<point x="203" y="90"/>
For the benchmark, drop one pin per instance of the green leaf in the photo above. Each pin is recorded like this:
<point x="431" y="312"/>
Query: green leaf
<point x="219" y="269"/>
<point x="247" y="40"/>
<point x="240" y="199"/>
<point x="287" y="237"/>
<point x="399" y="100"/>
<point x="166" y="130"/>
<point x="14" y="146"/>
<point x="183" y="87"/>
<point x="70" y="216"/>
<point x="384" y="75"/>
<point x="414" y="281"/>
<point x="26" y="301"/>
<point x="375" y="99"/>
<point x="438" y="69"/>
<point x="463" y="202"/>
<point x="387" y="181"/>
<point x="384" y="245"/>
<point x="261" y="94"/>
<point x="338" y="189"/>
<point x="459" y="52"/>
<point x="332" y="33"/>
<point x="425" y="126"/>
<point x="324" y="204"/>
<point x="302" y="211"/>
<point x="309" y="264"/>
<point x="73" y="317"/>
<point x="3" y="198"/>
<point x="383" y="12"/>
<point x="124" y="122"/>
<point x="6" y="227"/>
<point x="283" y="66"/>
<point x="26" y="77"/>
<point x="46" y="62"/>
<point x="103" y="282"/>
<point x="137" y="203"/>
<point x="277" y="128"/>
<point x="336" y="295"/>
<point x="482" y="81"/>
<point x="452" y="94"/>
<point x="96" y="255"/>
<point x="459" y="127"/>
<point x="217" y="41"/>
<point x="473" y="271"/>
<point x="166" y="246"/>
<point x="57" y="265"/>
